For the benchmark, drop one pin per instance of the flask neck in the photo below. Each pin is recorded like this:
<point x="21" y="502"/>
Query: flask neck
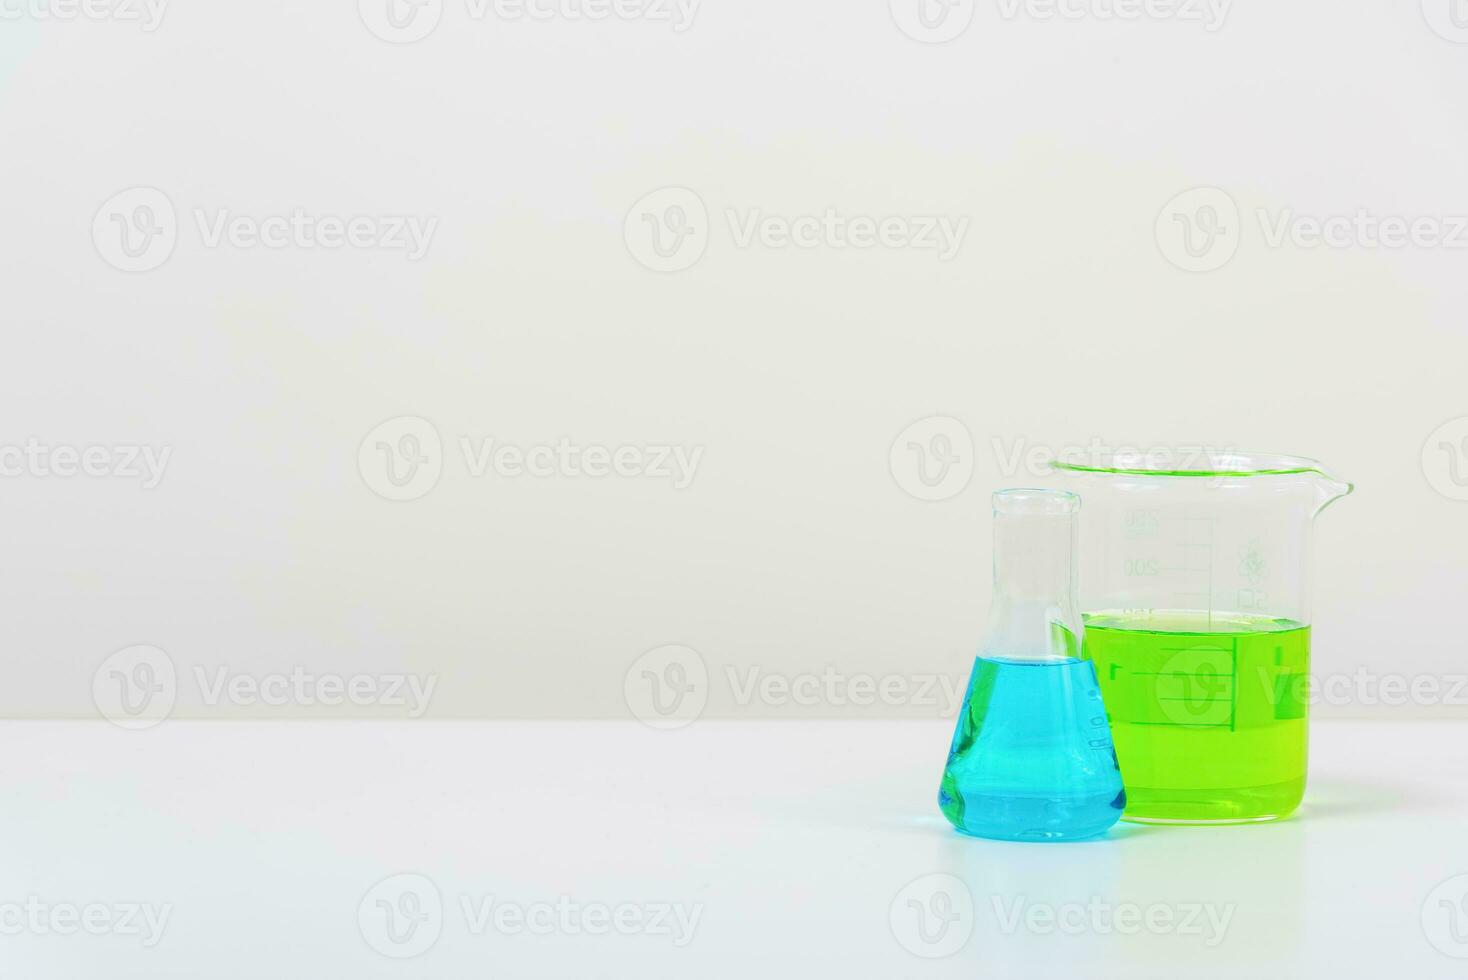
<point x="1033" y="615"/>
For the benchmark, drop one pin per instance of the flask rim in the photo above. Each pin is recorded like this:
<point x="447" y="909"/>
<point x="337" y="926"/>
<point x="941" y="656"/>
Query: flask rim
<point x="1035" y="500"/>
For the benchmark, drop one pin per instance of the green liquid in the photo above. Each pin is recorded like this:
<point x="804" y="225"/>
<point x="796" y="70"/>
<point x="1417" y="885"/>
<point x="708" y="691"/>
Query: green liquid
<point x="1208" y="711"/>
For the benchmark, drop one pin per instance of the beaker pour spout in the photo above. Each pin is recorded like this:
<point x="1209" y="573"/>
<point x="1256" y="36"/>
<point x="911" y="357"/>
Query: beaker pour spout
<point x="1329" y="489"/>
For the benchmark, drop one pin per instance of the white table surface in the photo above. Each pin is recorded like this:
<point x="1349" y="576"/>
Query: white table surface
<point x="799" y="846"/>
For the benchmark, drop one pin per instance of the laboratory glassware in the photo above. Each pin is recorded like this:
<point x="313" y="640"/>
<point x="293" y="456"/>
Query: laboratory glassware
<point x="1195" y="594"/>
<point x="1032" y="757"/>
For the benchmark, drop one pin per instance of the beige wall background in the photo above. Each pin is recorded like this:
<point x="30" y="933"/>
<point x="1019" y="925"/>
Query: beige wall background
<point x="304" y="505"/>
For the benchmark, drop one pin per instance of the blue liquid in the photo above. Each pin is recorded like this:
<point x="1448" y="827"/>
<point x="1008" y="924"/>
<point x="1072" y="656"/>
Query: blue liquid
<point x="1032" y="757"/>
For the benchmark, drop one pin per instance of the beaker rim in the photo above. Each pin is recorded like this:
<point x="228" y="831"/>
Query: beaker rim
<point x="1188" y="462"/>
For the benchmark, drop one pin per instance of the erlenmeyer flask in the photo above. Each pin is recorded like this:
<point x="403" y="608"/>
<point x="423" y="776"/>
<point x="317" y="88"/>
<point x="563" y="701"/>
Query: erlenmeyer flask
<point x="1032" y="758"/>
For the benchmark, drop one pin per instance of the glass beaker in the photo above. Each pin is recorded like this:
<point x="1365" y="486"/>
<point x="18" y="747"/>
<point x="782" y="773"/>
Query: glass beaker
<point x="1031" y="757"/>
<point x="1195" y="593"/>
